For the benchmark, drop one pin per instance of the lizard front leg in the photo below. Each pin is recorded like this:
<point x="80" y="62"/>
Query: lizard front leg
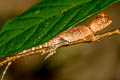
<point x="90" y="38"/>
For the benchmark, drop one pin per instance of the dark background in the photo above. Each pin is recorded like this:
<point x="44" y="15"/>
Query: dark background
<point x="99" y="60"/>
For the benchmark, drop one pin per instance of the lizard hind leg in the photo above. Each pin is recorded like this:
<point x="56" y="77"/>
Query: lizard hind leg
<point x="62" y="42"/>
<point x="55" y="48"/>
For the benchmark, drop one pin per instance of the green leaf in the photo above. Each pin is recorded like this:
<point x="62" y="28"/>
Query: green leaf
<point x="45" y="20"/>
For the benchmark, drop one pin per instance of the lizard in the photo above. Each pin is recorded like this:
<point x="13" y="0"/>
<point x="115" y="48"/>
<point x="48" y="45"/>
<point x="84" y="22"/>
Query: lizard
<point x="76" y="33"/>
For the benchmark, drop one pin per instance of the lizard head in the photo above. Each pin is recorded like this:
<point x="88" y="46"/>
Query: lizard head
<point x="100" y="22"/>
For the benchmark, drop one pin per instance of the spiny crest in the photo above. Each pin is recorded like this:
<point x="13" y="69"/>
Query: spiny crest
<point x="102" y="14"/>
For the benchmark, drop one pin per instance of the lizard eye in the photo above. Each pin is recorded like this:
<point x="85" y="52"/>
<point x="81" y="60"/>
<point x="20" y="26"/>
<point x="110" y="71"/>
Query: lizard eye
<point x="103" y="21"/>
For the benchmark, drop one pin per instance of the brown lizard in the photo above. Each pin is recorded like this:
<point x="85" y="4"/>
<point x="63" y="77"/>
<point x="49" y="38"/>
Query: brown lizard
<point x="76" y="33"/>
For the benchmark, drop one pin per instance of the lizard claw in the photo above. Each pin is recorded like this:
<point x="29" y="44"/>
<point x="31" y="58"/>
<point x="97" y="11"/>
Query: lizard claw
<point x="50" y="54"/>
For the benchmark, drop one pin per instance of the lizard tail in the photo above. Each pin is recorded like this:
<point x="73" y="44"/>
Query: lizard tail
<point x="35" y="48"/>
